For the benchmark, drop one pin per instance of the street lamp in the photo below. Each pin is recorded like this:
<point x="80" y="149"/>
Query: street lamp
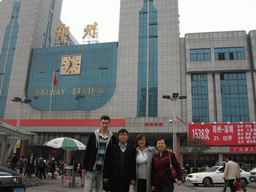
<point x="19" y="100"/>
<point x="79" y="96"/>
<point x="174" y="97"/>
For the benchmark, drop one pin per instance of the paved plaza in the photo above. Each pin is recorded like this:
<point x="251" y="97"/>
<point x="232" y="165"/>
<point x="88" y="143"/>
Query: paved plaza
<point x="51" y="185"/>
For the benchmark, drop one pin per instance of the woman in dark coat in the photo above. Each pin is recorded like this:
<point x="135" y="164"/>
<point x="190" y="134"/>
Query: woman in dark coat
<point x="161" y="177"/>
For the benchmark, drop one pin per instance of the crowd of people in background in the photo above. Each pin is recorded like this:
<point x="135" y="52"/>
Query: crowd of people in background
<point x="109" y="160"/>
<point x="38" y="166"/>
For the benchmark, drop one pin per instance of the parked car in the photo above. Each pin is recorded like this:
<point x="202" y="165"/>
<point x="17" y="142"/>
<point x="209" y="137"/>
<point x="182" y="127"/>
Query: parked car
<point x="253" y="175"/>
<point x="11" y="181"/>
<point x="214" y="175"/>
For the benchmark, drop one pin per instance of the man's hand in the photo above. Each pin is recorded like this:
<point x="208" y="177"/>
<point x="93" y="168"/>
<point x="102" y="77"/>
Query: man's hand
<point x="133" y="182"/>
<point x="105" y="180"/>
<point x="179" y="182"/>
<point x="153" y="188"/>
<point x="84" y="171"/>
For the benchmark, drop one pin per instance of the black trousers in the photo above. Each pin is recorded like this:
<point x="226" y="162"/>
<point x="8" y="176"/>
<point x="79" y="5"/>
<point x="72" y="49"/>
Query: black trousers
<point x="121" y="184"/>
<point x="142" y="185"/>
<point x="165" y="188"/>
<point x="231" y="185"/>
<point x="41" y="172"/>
<point x="21" y="170"/>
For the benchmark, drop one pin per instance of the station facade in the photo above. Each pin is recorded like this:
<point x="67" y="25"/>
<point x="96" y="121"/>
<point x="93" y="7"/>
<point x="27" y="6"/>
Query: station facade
<point x="209" y="77"/>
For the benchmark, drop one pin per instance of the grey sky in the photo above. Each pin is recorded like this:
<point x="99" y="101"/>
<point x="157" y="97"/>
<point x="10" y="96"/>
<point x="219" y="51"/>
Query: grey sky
<point x="195" y="16"/>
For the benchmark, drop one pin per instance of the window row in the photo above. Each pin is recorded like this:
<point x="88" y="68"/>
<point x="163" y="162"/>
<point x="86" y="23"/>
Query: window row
<point x="233" y="89"/>
<point x="233" y="97"/>
<point x="235" y="111"/>
<point x="232" y="76"/>
<point x="228" y="53"/>
<point x="243" y="118"/>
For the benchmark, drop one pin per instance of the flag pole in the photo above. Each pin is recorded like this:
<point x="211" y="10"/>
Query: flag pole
<point x="51" y="91"/>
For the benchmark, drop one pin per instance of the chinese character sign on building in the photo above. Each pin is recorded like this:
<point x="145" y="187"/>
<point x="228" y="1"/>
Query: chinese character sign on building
<point x="224" y="134"/>
<point x="90" y="30"/>
<point x="62" y="32"/>
<point x="242" y="149"/>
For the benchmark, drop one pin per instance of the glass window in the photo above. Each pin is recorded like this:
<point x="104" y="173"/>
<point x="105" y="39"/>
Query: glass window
<point x="147" y="89"/>
<point x="231" y="53"/>
<point x="200" y="54"/>
<point x="52" y="3"/>
<point x="234" y="97"/>
<point x="199" y="88"/>
<point x="47" y="34"/>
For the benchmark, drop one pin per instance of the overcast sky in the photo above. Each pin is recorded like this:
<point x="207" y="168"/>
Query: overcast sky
<point x="195" y="16"/>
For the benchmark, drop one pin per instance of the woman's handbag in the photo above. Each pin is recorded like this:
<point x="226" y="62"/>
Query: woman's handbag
<point x="173" y="171"/>
<point x="106" y="186"/>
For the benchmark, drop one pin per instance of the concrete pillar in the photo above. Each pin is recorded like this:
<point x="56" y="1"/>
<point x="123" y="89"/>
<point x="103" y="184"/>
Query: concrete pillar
<point x="23" y="148"/>
<point x="181" y="160"/>
<point x="178" y="148"/>
<point x="68" y="152"/>
<point x="68" y="155"/>
<point x="220" y="157"/>
<point x="3" y="150"/>
<point x="174" y="141"/>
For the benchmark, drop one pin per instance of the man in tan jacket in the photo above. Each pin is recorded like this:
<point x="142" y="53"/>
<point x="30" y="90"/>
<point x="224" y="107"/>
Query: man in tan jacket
<point x="231" y="173"/>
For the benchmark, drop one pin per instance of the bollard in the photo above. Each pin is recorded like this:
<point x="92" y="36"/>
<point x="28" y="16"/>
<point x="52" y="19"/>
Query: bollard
<point x="238" y="186"/>
<point x="55" y="174"/>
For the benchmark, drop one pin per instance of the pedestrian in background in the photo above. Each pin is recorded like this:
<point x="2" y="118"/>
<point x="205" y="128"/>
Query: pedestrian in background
<point x="37" y="160"/>
<point x="161" y="177"/>
<point x="52" y="167"/>
<point x="30" y="165"/>
<point x="21" y="164"/>
<point x="61" y="167"/>
<point x="41" y="168"/>
<point x="187" y="169"/>
<point x="14" y="161"/>
<point x="26" y="167"/>
<point x="74" y="170"/>
<point x="144" y="155"/>
<point x="81" y="174"/>
<point x="231" y="173"/>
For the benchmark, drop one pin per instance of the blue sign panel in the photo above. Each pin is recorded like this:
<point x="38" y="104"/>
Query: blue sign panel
<point x="85" y="77"/>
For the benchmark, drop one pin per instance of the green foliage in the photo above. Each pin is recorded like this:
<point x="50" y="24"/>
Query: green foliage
<point x="198" y="147"/>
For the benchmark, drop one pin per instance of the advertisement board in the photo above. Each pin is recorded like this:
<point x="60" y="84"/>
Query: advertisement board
<point x="224" y="134"/>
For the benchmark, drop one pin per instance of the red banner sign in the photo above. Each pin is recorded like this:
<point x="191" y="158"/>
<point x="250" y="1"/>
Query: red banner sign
<point x="224" y="134"/>
<point x="242" y="149"/>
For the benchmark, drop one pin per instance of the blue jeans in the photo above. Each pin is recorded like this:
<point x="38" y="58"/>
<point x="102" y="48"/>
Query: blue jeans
<point x="73" y="177"/>
<point x="91" y="177"/>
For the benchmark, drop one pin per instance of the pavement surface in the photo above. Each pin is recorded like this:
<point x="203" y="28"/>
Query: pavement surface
<point x="35" y="184"/>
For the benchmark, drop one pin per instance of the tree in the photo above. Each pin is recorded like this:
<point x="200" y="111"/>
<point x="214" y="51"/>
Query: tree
<point x="198" y="146"/>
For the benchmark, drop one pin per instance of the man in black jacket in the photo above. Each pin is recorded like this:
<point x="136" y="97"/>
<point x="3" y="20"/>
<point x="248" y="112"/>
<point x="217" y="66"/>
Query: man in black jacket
<point x="14" y="161"/>
<point x="30" y="164"/>
<point x="94" y="157"/>
<point x="120" y="165"/>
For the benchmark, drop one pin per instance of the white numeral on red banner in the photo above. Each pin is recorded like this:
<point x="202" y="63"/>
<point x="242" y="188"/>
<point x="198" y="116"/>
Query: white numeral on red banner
<point x="201" y="133"/>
